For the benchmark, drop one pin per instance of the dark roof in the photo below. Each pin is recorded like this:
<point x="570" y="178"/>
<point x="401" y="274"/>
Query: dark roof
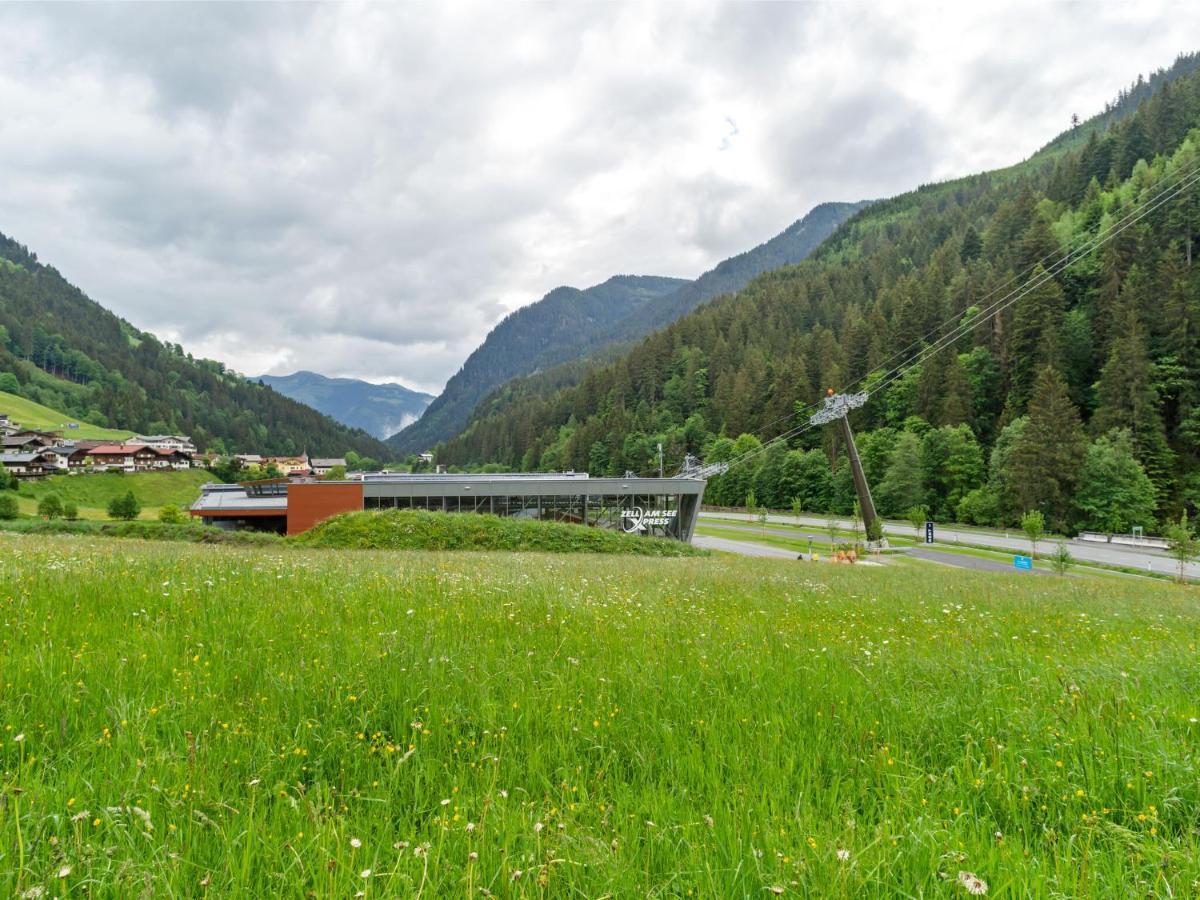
<point x="22" y="457"/>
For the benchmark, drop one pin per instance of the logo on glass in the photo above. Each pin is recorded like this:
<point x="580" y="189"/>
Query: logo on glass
<point x="637" y="519"/>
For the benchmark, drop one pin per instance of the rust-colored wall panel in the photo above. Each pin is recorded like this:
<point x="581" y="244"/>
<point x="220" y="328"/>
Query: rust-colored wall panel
<point x="314" y="501"/>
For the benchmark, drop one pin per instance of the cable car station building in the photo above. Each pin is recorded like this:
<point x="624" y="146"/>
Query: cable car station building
<point x="659" y="507"/>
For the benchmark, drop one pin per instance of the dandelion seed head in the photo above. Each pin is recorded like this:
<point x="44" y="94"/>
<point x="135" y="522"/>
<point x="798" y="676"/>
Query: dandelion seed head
<point x="973" y="883"/>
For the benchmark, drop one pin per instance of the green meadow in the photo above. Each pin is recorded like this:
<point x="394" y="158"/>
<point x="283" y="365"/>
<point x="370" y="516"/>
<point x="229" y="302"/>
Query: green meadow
<point x="92" y="492"/>
<point x="187" y="720"/>
<point x="33" y="415"/>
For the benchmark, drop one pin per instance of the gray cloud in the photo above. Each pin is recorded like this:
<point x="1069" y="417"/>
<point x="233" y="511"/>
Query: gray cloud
<point x="365" y="190"/>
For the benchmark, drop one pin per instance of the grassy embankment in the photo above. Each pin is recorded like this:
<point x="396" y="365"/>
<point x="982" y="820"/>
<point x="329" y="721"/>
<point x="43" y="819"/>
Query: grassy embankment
<point x="93" y="492"/>
<point x="43" y="418"/>
<point x="221" y="719"/>
<point x="420" y="530"/>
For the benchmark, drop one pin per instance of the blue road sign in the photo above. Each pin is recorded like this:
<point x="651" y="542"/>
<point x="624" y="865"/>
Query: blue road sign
<point x="1023" y="562"/>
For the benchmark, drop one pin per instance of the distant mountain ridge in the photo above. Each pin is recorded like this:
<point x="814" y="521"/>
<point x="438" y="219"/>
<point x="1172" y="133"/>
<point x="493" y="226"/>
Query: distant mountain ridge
<point x="789" y="247"/>
<point x="378" y="409"/>
<point x="568" y="324"/>
<point x="561" y="326"/>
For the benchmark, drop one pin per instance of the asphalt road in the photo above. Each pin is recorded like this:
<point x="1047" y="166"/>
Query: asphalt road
<point x="960" y="561"/>
<point x="746" y="548"/>
<point x="1083" y="551"/>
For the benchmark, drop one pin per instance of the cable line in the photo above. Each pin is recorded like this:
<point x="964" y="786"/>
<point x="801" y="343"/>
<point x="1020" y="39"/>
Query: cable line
<point x="1145" y="208"/>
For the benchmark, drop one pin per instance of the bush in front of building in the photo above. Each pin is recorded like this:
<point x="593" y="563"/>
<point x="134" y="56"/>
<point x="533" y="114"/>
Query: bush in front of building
<point x="50" y="506"/>
<point x="172" y="515"/>
<point x="70" y="511"/>
<point x="8" y="506"/>
<point x="124" y="507"/>
<point x="421" y="530"/>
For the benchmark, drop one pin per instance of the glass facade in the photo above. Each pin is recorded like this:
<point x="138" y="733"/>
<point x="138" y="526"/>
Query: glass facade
<point x="655" y="514"/>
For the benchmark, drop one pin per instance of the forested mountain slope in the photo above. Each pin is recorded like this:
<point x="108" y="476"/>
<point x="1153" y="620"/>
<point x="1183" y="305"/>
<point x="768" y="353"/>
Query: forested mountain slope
<point x="569" y="325"/>
<point x="64" y="350"/>
<point x="1082" y="399"/>
<point x="378" y="409"/>
<point x="562" y="325"/>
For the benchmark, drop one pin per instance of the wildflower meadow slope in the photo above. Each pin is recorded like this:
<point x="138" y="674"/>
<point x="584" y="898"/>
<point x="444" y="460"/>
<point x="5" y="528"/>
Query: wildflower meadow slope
<point x="186" y="720"/>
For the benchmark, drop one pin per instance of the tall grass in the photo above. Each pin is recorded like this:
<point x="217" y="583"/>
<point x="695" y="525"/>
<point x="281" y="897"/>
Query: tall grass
<point x="313" y="723"/>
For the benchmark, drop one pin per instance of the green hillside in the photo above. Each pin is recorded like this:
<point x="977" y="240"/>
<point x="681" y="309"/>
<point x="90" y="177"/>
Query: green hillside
<point x="92" y="493"/>
<point x="65" y="351"/>
<point x="33" y="415"/>
<point x="1081" y="398"/>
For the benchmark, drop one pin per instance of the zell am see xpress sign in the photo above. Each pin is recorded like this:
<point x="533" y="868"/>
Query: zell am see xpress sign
<point x="638" y="519"/>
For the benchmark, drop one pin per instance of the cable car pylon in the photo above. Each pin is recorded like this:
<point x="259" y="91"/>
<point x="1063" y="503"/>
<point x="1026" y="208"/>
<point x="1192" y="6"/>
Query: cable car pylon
<point x="837" y="408"/>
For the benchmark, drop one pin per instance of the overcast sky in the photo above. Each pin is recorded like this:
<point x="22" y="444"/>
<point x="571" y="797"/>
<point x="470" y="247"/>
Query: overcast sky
<point x="367" y="190"/>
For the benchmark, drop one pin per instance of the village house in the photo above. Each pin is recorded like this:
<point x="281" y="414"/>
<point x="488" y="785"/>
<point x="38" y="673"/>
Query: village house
<point x="322" y="467"/>
<point x="31" y="464"/>
<point x="289" y="465"/>
<point x="27" y="440"/>
<point x="170" y="459"/>
<point x="123" y="457"/>
<point x="73" y="458"/>
<point x="179" y="442"/>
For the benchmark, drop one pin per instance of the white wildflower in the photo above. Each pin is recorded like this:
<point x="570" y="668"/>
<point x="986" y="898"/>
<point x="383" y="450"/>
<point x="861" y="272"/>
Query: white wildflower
<point x="64" y="871"/>
<point x="538" y="826"/>
<point x="843" y="855"/>
<point x="365" y="873"/>
<point x="355" y="843"/>
<point x="973" y="883"/>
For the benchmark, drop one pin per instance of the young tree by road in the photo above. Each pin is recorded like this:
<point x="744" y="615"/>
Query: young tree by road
<point x="1182" y="543"/>
<point x="917" y="516"/>
<point x="1033" y="523"/>
<point x="1061" y="560"/>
